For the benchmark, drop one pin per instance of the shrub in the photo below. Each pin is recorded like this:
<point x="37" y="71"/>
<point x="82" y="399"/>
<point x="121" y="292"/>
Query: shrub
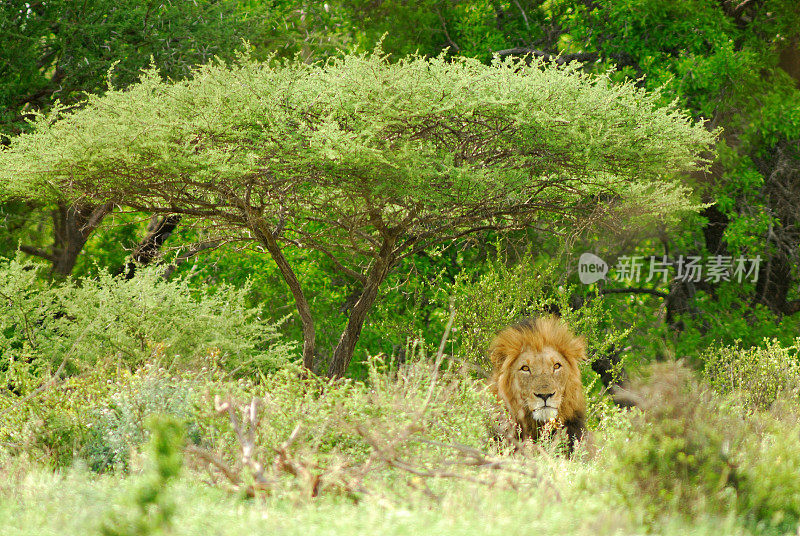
<point x="678" y="452"/>
<point x="770" y="476"/>
<point x="328" y="434"/>
<point x="330" y="411"/>
<point x="118" y="425"/>
<point x="690" y="450"/>
<point x="756" y="375"/>
<point x="110" y="320"/>
<point x="503" y="294"/>
<point x="153" y="508"/>
<point x="99" y="418"/>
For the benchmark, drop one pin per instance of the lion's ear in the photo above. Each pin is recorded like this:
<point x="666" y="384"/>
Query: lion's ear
<point x="577" y="349"/>
<point x="582" y="341"/>
<point x="497" y="357"/>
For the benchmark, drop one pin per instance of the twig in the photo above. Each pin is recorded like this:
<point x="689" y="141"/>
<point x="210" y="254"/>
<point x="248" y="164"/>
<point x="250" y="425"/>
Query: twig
<point x="189" y="253"/>
<point x="39" y="390"/>
<point x="214" y="460"/>
<point x="456" y="48"/>
<point x="524" y="16"/>
<point x="439" y="357"/>
<point x="563" y="59"/>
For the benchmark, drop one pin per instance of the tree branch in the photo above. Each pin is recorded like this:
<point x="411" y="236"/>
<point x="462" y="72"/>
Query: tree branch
<point x="30" y="250"/>
<point x="158" y="231"/>
<point x="456" y="48"/>
<point x="191" y="252"/>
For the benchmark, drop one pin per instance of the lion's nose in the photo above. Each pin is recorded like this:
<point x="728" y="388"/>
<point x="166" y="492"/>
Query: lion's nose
<point x="544" y="396"/>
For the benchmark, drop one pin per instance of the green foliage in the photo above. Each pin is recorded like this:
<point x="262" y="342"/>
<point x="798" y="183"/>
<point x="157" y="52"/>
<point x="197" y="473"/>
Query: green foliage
<point x="98" y="418"/>
<point x="503" y="294"/>
<point x="731" y="65"/>
<point x="757" y="375"/>
<point x="111" y="320"/>
<point x="26" y="303"/>
<point x="153" y="507"/>
<point x="44" y="502"/>
<point x="770" y="477"/>
<point x="473" y="29"/>
<point x="365" y="160"/>
<point x="692" y="451"/>
<point x="333" y="415"/>
<point x="727" y="317"/>
<point x="685" y="465"/>
<point x="336" y="121"/>
<point x="678" y="453"/>
<point x="238" y="266"/>
<point x="118" y="423"/>
<point x="60" y="49"/>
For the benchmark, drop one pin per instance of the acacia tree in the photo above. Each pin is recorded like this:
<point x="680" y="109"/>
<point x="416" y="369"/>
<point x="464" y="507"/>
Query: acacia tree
<point x="365" y="160"/>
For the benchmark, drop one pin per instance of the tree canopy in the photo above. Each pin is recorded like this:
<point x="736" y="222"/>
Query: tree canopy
<point x="364" y="159"/>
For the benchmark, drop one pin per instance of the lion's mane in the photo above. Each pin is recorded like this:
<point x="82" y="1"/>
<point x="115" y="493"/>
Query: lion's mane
<point x="535" y="335"/>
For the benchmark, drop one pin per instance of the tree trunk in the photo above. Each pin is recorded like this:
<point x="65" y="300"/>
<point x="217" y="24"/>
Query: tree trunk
<point x="789" y="60"/>
<point x="714" y="230"/>
<point x="782" y="188"/>
<point x="266" y="237"/>
<point x="352" y="331"/>
<point x="774" y="283"/>
<point x="72" y="225"/>
<point x="679" y="302"/>
<point x="158" y="231"/>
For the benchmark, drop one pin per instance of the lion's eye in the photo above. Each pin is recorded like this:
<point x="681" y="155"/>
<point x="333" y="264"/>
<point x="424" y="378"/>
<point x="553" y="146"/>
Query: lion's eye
<point x="557" y="366"/>
<point x="525" y="368"/>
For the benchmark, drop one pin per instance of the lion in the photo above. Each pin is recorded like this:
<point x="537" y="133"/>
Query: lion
<point x="536" y="377"/>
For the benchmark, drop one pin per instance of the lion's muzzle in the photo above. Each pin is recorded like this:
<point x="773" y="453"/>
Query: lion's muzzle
<point x="543" y="406"/>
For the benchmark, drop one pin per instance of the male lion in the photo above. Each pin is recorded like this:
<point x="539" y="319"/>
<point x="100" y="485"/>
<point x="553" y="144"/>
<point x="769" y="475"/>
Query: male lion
<point x="536" y="376"/>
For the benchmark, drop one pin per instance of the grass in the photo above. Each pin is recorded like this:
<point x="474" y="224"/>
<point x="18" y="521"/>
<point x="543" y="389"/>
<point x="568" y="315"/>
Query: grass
<point x="406" y="451"/>
<point x="74" y="503"/>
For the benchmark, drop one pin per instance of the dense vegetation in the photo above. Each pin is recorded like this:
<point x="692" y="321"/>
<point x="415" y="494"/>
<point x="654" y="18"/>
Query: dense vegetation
<point x="253" y="254"/>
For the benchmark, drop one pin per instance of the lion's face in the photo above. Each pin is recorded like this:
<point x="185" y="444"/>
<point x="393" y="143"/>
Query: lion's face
<point x="538" y="380"/>
<point x="536" y="373"/>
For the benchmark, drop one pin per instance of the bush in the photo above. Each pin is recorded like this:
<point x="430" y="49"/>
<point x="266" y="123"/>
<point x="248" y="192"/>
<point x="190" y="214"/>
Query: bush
<point x="770" y="475"/>
<point x="118" y="425"/>
<point x="329" y="412"/>
<point x="153" y="508"/>
<point x="111" y="320"/>
<point x="690" y="450"/>
<point x="503" y="294"/>
<point x="678" y="452"/>
<point x="99" y="418"/>
<point x="756" y="375"/>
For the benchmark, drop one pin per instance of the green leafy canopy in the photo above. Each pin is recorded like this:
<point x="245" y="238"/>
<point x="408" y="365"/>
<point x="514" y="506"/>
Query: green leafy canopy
<point x="437" y="130"/>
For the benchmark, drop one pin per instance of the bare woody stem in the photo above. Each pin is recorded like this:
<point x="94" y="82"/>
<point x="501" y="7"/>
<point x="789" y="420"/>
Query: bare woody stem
<point x="384" y="261"/>
<point x="265" y="236"/>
